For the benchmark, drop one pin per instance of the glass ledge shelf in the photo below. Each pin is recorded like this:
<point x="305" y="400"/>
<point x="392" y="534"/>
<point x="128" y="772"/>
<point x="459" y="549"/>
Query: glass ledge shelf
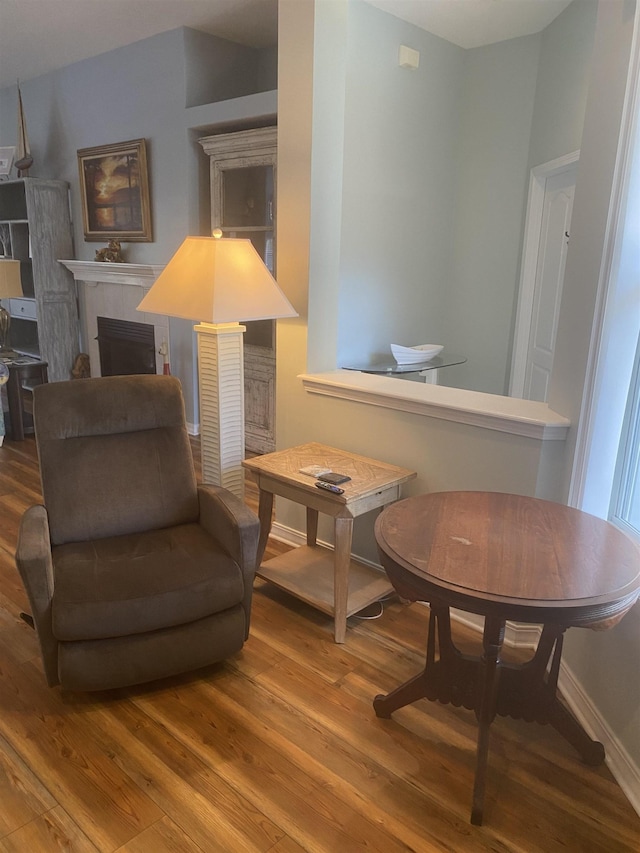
<point x="392" y="368"/>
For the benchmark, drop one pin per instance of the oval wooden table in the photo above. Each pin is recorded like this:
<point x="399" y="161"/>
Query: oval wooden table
<point x="505" y="557"/>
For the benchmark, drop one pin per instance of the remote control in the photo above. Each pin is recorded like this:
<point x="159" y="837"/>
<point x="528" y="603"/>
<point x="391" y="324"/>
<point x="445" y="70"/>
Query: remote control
<point x="329" y="488"/>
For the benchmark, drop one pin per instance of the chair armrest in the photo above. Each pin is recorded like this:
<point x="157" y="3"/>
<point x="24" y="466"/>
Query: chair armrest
<point x="231" y="523"/>
<point x="35" y="564"/>
<point x="33" y="557"/>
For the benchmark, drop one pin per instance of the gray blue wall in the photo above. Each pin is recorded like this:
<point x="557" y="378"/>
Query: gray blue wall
<point x="435" y="166"/>
<point x="562" y="83"/>
<point x="436" y="170"/>
<point x="168" y="89"/>
<point x="401" y="131"/>
<point x="490" y="195"/>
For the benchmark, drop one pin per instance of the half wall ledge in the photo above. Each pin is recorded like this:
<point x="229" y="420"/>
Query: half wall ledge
<point x="490" y="411"/>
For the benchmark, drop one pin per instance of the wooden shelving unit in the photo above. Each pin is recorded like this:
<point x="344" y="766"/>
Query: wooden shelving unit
<point x="35" y="228"/>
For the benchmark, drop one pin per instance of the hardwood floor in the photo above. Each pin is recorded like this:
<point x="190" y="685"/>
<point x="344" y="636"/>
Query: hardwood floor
<point x="278" y="749"/>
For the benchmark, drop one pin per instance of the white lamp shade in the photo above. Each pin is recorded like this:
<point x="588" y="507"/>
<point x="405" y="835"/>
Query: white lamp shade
<point x="10" y="281"/>
<point x="217" y="281"/>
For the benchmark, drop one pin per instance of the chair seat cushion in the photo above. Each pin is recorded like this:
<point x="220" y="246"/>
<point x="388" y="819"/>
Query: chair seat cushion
<point x="141" y="582"/>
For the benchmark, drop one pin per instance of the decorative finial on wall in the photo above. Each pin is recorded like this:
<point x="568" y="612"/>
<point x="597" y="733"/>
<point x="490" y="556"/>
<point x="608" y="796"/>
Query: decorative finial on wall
<point x="24" y="160"/>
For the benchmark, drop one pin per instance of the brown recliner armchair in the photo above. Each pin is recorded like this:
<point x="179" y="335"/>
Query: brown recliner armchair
<point x="134" y="571"/>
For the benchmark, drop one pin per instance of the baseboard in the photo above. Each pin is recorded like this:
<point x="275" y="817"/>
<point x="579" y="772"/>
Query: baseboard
<point x="624" y="770"/>
<point x="517" y="635"/>
<point x="294" y="537"/>
<point x="281" y="533"/>
<point x="520" y="635"/>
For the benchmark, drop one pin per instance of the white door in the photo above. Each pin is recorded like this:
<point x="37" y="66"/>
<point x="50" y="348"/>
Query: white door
<point x="552" y="254"/>
<point x="551" y="189"/>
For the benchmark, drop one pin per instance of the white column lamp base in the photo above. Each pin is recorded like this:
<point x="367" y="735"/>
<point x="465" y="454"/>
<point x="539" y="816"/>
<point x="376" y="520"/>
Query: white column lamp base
<point x="221" y="388"/>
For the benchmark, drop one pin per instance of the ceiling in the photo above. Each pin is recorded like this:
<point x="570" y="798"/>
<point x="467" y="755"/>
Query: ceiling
<point x="472" y="23"/>
<point x="39" y="36"/>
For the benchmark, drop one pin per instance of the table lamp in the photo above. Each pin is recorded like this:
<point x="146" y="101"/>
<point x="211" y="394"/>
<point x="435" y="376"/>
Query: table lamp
<point x="10" y="285"/>
<point x="219" y="282"/>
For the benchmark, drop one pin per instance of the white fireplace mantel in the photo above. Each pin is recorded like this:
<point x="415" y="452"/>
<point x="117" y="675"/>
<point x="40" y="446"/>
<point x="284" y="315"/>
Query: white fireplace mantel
<point x="142" y="275"/>
<point x="115" y="291"/>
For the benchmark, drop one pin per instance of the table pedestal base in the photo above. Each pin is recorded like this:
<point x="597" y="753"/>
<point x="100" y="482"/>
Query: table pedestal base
<point x="488" y="686"/>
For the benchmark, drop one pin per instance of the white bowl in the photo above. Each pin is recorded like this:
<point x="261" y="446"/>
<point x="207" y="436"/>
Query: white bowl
<point x="415" y="355"/>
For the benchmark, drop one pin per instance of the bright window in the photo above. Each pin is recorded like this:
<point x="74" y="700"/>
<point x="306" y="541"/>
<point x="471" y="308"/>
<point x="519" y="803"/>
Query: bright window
<point x="607" y="474"/>
<point x="625" y="505"/>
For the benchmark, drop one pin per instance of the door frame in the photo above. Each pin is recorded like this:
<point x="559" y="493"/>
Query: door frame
<point x="531" y="246"/>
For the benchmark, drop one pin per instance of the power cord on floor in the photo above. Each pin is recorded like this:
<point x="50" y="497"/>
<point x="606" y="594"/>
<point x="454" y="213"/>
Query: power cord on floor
<point x="372" y="611"/>
<point x="375" y="610"/>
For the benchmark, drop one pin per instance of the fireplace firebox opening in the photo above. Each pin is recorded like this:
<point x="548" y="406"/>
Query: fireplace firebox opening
<point x="125" y="347"/>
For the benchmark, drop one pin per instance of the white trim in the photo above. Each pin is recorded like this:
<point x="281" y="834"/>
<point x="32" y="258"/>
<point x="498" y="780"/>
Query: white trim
<point x="233" y="146"/>
<point x="282" y="533"/>
<point x="618" y="760"/>
<point x="114" y="273"/>
<point x="532" y="232"/>
<point x="517" y="635"/>
<point x="506" y="414"/>
<point x="610" y="257"/>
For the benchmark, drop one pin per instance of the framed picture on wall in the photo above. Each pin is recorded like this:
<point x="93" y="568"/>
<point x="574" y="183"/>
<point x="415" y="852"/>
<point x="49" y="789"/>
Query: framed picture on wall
<point x="114" y="185"/>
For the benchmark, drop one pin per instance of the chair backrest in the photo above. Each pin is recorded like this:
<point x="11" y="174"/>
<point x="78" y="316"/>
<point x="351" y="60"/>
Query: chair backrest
<point x="114" y="456"/>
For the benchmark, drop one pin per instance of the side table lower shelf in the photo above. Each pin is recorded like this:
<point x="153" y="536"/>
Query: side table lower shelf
<point x="329" y="580"/>
<point x="308" y="573"/>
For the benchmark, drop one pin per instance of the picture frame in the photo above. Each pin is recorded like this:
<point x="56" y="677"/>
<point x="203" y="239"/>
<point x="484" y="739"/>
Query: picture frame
<point x="6" y="160"/>
<point x="114" y="186"/>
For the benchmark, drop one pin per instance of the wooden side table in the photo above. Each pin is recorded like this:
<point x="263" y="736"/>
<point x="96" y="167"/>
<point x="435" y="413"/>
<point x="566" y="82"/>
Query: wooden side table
<point x="331" y="581"/>
<point x="505" y="557"/>
<point x="24" y="373"/>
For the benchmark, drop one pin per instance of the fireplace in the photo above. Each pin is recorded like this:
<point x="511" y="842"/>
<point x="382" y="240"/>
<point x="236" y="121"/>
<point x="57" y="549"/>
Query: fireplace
<point x="115" y="291"/>
<point x="125" y="347"/>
